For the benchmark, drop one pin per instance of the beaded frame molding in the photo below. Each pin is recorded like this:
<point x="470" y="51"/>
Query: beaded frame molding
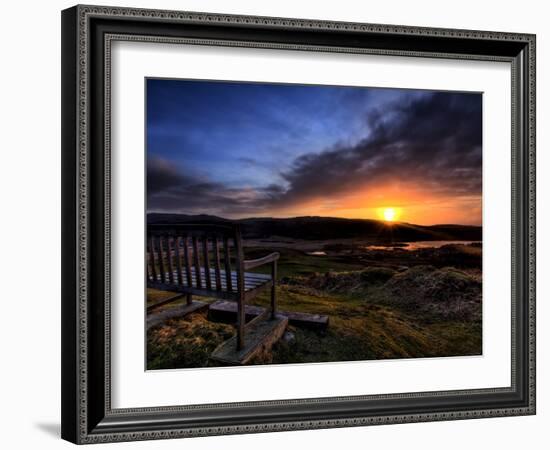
<point x="87" y="35"/>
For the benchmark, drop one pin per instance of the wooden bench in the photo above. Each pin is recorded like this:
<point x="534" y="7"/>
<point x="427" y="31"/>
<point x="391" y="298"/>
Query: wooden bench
<point x="208" y="260"/>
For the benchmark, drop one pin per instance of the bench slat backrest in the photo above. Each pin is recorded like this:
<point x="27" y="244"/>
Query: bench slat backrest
<point x="182" y="254"/>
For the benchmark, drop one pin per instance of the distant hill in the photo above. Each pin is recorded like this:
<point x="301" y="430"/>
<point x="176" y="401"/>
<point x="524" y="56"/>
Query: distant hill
<point x="319" y="228"/>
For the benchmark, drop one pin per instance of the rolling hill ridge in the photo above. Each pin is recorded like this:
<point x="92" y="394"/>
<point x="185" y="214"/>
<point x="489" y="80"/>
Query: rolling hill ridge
<point x="319" y="228"/>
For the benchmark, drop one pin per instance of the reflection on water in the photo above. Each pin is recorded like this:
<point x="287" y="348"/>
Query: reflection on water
<point x="418" y="245"/>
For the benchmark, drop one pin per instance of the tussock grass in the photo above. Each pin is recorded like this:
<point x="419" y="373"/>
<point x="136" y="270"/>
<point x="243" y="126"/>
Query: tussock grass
<point x="444" y="294"/>
<point x="351" y="282"/>
<point x="184" y="342"/>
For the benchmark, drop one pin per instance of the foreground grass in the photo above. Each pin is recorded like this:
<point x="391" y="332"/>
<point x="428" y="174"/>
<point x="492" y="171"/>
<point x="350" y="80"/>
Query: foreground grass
<point x="358" y="329"/>
<point x="374" y="313"/>
<point x="185" y="343"/>
<point x="364" y="328"/>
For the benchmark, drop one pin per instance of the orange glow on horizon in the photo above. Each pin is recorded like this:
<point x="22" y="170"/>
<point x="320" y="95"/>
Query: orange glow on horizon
<point x="394" y="201"/>
<point x="398" y="201"/>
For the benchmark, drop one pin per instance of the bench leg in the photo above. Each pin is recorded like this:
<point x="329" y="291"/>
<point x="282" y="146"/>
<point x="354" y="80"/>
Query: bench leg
<point x="273" y="290"/>
<point x="240" y="323"/>
<point x="189" y="299"/>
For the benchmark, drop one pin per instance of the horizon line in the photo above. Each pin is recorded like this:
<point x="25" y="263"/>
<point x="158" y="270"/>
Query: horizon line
<point x="309" y="216"/>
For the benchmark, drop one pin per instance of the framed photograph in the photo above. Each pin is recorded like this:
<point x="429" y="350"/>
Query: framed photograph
<point x="282" y="224"/>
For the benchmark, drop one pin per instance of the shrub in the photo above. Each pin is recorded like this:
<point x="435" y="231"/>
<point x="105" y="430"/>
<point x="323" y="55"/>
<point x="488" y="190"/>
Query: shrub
<point x="443" y="293"/>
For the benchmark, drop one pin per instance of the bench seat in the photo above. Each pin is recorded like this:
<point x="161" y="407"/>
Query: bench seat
<point x="253" y="283"/>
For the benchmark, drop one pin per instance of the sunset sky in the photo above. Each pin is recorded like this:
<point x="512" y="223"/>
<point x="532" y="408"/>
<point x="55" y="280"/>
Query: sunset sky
<point x="248" y="150"/>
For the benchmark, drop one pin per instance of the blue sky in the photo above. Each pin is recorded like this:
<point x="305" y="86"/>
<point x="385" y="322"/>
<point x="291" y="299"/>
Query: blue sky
<point x="253" y="149"/>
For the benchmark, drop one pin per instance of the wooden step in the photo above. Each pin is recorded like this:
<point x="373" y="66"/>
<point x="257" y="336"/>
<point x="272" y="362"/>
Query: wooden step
<point x="226" y="311"/>
<point x="260" y="336"/>
<point x="177" y="312"/>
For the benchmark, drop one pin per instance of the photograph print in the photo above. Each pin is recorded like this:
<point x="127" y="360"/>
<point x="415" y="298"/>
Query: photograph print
<point x="291" y="223"/>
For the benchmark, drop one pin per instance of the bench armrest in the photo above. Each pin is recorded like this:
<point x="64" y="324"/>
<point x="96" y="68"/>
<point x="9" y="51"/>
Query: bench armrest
<point x="251" y="263"/>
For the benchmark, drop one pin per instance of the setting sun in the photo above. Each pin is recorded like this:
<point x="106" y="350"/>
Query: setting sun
<point x="389" y="214"/>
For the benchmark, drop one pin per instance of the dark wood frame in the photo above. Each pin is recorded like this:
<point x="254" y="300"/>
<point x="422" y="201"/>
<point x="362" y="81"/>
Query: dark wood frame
<point x="87" y="32"/>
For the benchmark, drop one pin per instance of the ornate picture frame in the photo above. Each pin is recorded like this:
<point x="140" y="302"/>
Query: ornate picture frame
<point x="87" y="35"/>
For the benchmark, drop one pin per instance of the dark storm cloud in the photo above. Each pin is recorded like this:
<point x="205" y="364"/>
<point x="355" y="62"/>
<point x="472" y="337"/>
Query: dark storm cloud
<point x="433" y="139"/>
<point x="170" y="189"/>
